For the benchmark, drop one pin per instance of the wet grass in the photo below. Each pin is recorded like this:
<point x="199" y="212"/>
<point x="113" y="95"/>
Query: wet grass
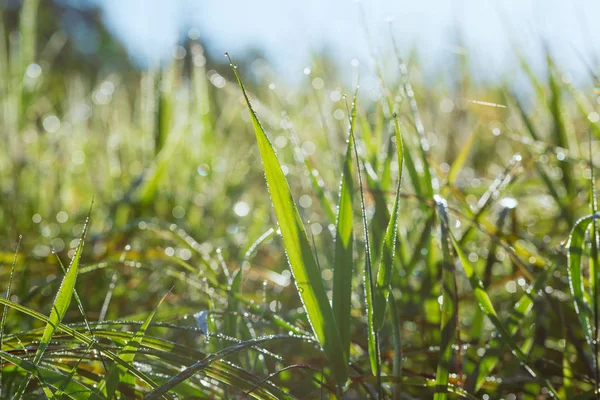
<point x="431" y="239"/>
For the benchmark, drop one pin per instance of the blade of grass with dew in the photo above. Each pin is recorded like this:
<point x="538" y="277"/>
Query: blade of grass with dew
<point x="117" y="374"/>
<point x="59" y="307"/>
<point x="388" y="246"/>
<point x="372" y="334"/>
<point x="5" y="308"/>
<point x="343" y="267"/>
<point x="299" y="252"/>
<point x="449" y="316"/>
<point x="487" y="307"/>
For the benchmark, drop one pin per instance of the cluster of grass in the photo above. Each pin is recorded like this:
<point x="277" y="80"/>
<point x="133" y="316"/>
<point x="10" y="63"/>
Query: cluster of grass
<point x="421" y="239"/>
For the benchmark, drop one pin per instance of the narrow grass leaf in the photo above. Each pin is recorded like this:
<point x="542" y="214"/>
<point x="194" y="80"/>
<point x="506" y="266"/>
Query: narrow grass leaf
<point x="302" y="262"/>
<point x="344" y="239"/>
<point x="388" y="246"/>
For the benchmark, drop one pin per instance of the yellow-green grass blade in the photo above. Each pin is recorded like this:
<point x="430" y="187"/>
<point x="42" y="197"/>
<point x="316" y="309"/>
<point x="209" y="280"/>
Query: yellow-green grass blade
<point x="388" y="246"/>
<point x="485" y="303"/>
<point x="118" y="374"/>
<point x="343" y="251"/>
<point x="449" y="313"/>
<point x="59" y="308"/>
<point x="303" y="265"/>
<point x="460" y="160"/>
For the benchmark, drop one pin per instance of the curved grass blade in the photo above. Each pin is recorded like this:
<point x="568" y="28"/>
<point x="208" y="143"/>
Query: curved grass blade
<point x="576" y="245"/>
<point x="59" y="307"/>
<point x="299" y="253"/>
<point x="388" y="246"/>
<point x="449" y="316"/>
<point x="343" y="257"/>
<point x="118" y="373"/>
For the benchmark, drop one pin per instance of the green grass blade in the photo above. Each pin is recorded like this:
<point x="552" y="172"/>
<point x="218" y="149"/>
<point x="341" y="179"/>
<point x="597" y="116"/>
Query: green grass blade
<point x="369" y="282"/>
<point x="299" y="253"/>
<point x="59" y="307"/>
<point x="449" y="316"/>
<point x="388" y="246"/>
<point x="118" y="374"/>
<point x="344" y="239"/>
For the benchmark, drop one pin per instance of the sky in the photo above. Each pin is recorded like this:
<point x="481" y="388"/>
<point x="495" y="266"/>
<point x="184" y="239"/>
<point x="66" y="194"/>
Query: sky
<point x="288" y="31"/>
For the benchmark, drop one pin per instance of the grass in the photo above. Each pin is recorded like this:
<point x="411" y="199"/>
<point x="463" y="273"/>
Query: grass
<point x="254" y="239"/>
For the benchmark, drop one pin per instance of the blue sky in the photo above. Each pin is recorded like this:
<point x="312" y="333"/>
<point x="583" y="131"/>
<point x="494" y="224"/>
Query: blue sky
<point x="288" y="30"/>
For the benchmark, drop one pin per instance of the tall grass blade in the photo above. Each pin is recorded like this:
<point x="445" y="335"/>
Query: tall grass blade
<point x="344" y="242"/>
<point x="369" y="281"/>
<point x="388" y="246"/>
<point x="299" y="252"/>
